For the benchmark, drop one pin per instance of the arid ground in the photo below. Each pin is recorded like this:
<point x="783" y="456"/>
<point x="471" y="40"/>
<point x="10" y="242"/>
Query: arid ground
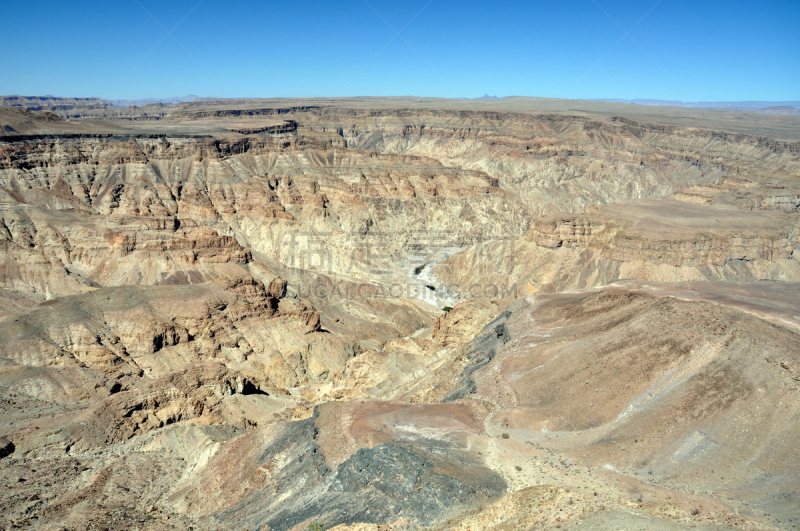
<point x="394" y="313"/>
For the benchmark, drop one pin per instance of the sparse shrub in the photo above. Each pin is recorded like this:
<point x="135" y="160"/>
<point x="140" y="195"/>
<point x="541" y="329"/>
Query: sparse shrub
<point x="316" y="526"/>
<point x="505" y="436"/>
<point x="519" y="468"/>
<point x="418" y="269"/>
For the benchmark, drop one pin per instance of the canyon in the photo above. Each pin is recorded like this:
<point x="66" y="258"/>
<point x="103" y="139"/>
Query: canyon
<point x="398" y="313"/>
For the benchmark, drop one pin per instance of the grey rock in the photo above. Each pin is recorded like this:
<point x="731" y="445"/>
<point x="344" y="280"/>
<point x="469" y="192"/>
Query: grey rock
<point x="480" y="351"/>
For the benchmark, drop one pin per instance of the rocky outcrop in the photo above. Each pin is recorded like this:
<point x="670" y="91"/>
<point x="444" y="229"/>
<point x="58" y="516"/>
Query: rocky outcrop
<point x="659" y="242"/>
<point x="419" y="483"/>
<point x="478" y="353"/>
<point x="123" y="337"/>
<point x="194" y="391"/>
<point x="277" y="129"/>
<point x="277" y="288"/>
<point x="650" y="239"/>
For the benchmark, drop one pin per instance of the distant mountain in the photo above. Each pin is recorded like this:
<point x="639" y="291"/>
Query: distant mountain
<point x="487" y="97"/>
<point x="776" y="107"/>
<point x="146" y="101"/>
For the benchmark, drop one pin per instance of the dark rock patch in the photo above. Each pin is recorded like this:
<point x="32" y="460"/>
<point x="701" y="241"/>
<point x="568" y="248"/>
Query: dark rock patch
<point x="480" y="351"/>
<point x="6" y="447"/>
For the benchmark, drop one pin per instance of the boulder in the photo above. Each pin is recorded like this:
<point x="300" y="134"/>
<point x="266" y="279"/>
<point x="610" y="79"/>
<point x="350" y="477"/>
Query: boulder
<point x="277" y="288"/>
<point x="6" y="447"/>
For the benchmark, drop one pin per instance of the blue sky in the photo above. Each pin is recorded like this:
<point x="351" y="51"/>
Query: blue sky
<point x="676" y="49"/>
